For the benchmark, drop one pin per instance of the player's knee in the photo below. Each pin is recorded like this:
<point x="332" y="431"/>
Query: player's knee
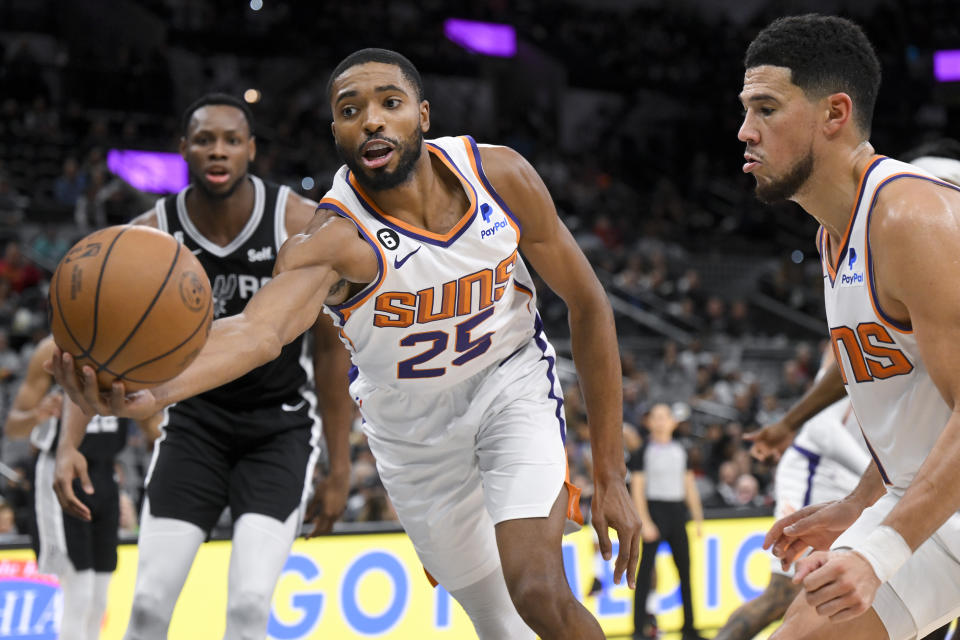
<point x="147" y="618"/>
<point x="248" y="611"/>
<point x="539" y="601"/>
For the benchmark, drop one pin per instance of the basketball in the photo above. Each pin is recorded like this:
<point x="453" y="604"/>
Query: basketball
<point x="131" y="302"/>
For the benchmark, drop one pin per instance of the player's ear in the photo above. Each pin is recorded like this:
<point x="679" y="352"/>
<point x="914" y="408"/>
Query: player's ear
<point x="333" y="130"/>
<point x="183" y="147"/>
<point x="838" y="112"/>
<point x="424" y="116"/>
<point x="251" y="149"/>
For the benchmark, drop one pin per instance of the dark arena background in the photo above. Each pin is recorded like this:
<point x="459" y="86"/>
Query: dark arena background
<point x="629" y="111"/>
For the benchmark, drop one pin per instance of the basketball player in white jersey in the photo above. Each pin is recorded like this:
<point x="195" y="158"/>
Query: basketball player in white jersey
<point x="250" y="445"/>
<point x="80" y="551"/>
<point x="414" y="253"/>
<point x="888" y="240"/>
<point x="823" y="462"/>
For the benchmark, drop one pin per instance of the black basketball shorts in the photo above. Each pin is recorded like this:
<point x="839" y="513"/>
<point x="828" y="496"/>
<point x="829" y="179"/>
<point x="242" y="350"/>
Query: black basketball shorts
<point x="63" y="538"/>
<point x="253" y="461"/>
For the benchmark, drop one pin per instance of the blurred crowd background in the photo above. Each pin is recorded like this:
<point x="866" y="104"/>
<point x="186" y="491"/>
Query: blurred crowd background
<point x="628" y="109"/>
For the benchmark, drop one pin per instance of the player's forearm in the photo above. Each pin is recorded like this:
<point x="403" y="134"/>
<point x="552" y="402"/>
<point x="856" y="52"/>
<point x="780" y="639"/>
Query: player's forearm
<point x="869" y="489"/>
<point x="824" y="392"/>
<point x="73" y="426"/>
<point x="933" y="494"/>
<point x="336" y="411"/>
<point x="597" y="358"/>
<point x="235" y="346"/>
<point x="20" y="422"/>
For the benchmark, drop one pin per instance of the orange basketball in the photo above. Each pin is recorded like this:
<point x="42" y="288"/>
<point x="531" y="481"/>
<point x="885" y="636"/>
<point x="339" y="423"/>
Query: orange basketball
<point x="131" y="302"/>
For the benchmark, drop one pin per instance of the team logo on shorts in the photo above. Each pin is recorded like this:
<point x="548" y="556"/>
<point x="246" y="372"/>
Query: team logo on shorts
<point x="388" y="238"/>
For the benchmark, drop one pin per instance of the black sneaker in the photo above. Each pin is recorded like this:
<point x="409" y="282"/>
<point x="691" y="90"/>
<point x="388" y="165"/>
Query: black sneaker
<point x="691" y="635"/>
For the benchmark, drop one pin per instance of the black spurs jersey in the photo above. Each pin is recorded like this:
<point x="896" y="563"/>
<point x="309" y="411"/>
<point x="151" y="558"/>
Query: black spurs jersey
<point x="236" y="272"/>
<point x="105" y="437"/>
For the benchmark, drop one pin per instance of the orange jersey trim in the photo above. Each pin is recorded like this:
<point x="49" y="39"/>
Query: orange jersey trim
<point x="406" y="226"/>
<point x="833" y="262"/>
<point x="344" y="310"/>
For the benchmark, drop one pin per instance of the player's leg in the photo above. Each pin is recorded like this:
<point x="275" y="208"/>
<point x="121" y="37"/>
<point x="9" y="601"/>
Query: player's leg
<point x="530" y="551"/>
<point x="267" y="493"/>
<point x="166" y="549"/>
<point x="802" y="622"/>
<point x="187" y="488"/>
<point x="438" y="497"/>
<point x="77" y="589"/>
<point x="261" y="545"/>
<point x="98" y="603"/>
<point x="522" y="460"/>
<point x="754" y="616"/>
<point x="104" y="528"/>
<point x="488" y="604"/>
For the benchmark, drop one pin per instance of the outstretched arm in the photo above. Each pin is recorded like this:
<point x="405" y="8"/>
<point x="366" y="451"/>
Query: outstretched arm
<point x="308" y="266"/>
<point x="552" y="251"/>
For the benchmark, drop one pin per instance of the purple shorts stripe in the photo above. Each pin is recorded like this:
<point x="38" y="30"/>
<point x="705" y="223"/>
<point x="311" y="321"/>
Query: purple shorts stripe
<point x="541" y="340"/>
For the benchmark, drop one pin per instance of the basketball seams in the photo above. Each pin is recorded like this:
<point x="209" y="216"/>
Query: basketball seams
<point x="100" y="282"/>
<point x="85" y="353"/>
<point x="96" y="298"/>
<point x="207" y="318"/>
<point x="146" y="313"/>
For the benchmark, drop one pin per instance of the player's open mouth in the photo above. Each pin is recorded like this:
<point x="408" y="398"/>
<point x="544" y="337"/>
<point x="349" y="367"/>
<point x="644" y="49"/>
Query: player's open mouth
<point x="750" y="164"/>
<point x="217" y="176"/>
<point x="376" y="153"/>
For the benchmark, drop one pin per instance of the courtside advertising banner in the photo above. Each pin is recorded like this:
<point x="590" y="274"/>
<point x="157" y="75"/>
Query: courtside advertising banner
<point x="372" y="586"/>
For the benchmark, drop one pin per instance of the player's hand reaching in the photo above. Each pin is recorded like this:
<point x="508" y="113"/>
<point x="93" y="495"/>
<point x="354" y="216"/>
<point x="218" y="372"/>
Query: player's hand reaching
<point x="83" y="389"/>
<point x="613" y="507"/>
<point x="770" y="441"/>
<point x="71" y="465"/>
<point x="328" y="502"/>
<point x="839" y="584"/>
<point x="816" y="526"/>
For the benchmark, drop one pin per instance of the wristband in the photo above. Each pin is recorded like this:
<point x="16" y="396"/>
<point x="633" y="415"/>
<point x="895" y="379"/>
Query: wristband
<point x="885" y="550"/>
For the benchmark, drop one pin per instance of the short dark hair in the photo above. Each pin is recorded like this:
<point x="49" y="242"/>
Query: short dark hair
<point x="385" y="56"/>
<point x="216" y="99"/>
<point x="825" y="54"/>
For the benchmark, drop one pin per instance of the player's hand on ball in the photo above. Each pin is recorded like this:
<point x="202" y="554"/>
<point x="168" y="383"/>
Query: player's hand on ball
<point x="83" y="389"/>
<point x="840" y="585"/>
<point x="71" y="465"/>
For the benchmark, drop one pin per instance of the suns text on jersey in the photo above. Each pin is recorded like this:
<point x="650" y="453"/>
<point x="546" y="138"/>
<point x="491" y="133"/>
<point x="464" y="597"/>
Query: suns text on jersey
<point x="461" y="297"/>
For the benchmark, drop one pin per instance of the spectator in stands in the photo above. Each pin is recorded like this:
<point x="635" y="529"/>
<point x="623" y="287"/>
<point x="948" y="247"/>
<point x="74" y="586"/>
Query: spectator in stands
<point x="8" y="525"/>
<point x="748" y="492"/>
<point x="70" y="184"/>
<point x="17" y="270"/>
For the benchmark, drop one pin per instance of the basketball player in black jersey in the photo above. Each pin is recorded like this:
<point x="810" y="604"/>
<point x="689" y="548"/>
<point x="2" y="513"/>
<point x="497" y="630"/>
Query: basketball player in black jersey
<point x="251" y="444"/>
<point x="80" y="551"/>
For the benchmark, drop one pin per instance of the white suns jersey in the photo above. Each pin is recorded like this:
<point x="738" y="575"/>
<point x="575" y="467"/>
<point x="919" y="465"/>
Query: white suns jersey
<point x="443" y="306"/>
<point x="825" y="460"/>
<point x="898" y="406"/>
